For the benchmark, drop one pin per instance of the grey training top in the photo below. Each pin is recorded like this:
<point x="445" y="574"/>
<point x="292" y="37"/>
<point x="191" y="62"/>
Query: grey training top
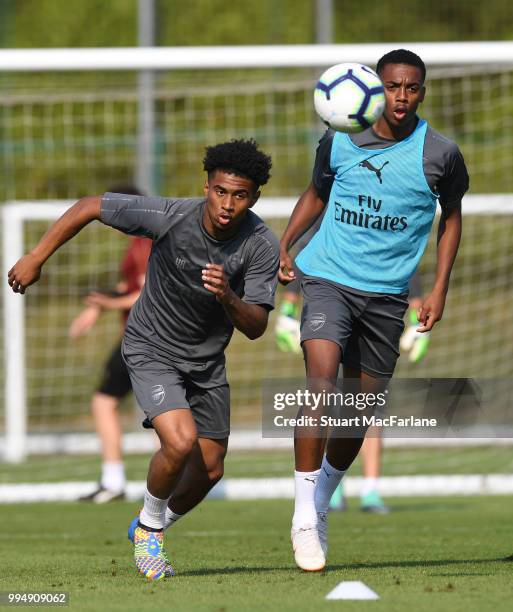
<point x="443" y="162"/>
<point x="175" y="316"/>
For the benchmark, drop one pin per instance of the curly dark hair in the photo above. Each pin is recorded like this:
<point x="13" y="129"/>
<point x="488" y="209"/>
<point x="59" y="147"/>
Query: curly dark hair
<point x="402" y="56"/>
<point x="240" y="157"/>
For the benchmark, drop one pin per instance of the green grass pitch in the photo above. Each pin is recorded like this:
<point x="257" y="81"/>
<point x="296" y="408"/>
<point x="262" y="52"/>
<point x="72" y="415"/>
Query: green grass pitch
<point x="428" y="554"/>
<point x="406" y="461"/>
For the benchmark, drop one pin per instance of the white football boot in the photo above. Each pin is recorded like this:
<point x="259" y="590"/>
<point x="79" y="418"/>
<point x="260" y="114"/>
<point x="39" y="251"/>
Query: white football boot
<point x="308" y="552"/>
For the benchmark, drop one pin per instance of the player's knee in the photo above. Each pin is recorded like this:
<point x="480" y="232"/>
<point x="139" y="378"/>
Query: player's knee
<point x="185" y="443"/>
<point x="180" y="444"/>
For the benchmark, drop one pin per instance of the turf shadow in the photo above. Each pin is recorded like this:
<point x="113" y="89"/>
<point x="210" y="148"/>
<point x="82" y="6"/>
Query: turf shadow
<point x="407" y="564"/>
<point x="431" y="507"/>
<point x="220" y="571"/>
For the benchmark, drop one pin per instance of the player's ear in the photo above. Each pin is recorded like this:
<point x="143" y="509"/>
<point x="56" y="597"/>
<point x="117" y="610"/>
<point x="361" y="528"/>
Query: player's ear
<point x="256" y="195"/>
<point x="422" y="93"/>
<point x="205" y="187"/>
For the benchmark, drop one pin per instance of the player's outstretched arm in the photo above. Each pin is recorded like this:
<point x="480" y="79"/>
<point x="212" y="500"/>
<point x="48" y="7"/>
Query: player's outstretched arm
<point x="250" y="319"/>
<point x="112" y="302"/>
<point x="306" y="211"/>
<point x="84" y="321"/>
<point x="449" y="235"/>
<point x="96" y="303"/>
<point x="27" y="270"/>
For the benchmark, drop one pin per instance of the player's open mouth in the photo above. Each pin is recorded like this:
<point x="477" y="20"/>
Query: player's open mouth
<point x="224" y="219"/>
<point x="400" y="113"/>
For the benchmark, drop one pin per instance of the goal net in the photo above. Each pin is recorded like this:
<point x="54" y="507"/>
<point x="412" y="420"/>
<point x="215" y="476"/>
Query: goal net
<point x="65" y="135"/>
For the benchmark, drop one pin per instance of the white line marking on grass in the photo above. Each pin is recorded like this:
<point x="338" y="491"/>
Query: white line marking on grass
<point x="352" y="590"/>
<point x="276" y="488"/>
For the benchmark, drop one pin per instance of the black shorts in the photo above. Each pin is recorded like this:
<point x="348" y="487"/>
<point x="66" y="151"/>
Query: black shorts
<point x="161" y="385"/>
<point x="366" y="327"/>
<point x="116" y="380"/>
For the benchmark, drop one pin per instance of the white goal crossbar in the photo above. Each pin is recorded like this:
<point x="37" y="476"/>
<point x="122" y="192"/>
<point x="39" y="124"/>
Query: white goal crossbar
<point x="16" y="214"/>
<point x="247" y="56"/>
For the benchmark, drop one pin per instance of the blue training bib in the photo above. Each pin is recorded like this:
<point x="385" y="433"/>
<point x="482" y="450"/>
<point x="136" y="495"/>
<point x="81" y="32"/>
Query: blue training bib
<point x="379" y="216"/>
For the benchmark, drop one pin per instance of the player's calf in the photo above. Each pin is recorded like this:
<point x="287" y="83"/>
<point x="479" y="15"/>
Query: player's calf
<point x="204" y="468"/>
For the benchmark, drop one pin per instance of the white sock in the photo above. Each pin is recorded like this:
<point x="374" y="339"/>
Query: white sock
<point x="170" y="518"/>
<point x="327" y="482"/>
<point x="113" y="476"/>
<point x="153" y="512"/>
<point x="369" y="484"/>
<point x="305" y="514"/>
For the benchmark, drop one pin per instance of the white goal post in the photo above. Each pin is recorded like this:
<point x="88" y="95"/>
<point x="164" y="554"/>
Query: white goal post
<point x="14" y="217"/>
<point x="70" y="125"/>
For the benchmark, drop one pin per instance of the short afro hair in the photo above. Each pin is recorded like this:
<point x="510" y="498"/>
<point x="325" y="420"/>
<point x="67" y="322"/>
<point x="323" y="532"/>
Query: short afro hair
<point x="402" y="56"/>
<point x="240" y="157"/>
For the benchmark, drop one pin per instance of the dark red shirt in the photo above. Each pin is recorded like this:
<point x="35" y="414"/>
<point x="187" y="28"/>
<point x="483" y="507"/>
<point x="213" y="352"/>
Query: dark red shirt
<point x="133" y="266"/>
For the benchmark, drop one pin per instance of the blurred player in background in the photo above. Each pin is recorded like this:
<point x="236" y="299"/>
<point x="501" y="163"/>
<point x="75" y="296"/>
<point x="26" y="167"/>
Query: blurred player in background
<point x="213" y="267"/>
<point x="115" y="383"/>
<point x="358" y="267"/>
<point x="370" y="498"/>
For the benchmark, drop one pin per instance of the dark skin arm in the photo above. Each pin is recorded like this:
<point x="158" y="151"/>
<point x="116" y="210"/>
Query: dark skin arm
<point x="27" y="270"/>
<point x="449" y="234"/>
<point x="250" y="319"/>
<point x="306" y="211"/>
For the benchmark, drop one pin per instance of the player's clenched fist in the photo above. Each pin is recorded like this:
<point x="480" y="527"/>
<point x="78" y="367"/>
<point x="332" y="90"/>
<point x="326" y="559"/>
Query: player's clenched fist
<point x="25" y="272"/>
<point x="215" y="280"/>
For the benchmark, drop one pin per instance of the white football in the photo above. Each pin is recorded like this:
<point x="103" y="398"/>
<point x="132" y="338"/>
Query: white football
<point x="349" y="97"/>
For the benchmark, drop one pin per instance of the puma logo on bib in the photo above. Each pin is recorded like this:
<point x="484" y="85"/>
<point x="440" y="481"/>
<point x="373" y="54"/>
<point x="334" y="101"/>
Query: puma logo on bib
<point x="366" y="164"/>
